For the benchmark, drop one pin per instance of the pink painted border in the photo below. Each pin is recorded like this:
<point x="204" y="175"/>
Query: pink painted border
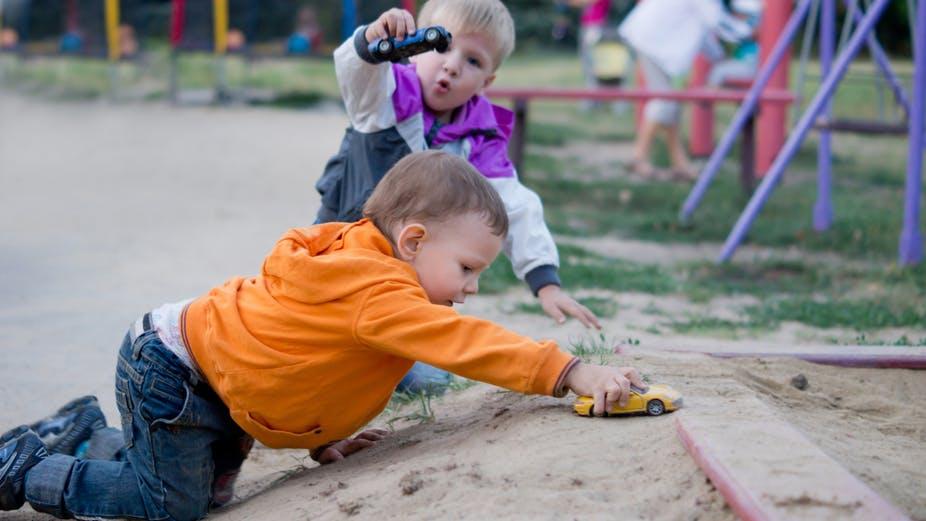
<point x="879" y="361"/>
<point x="892" y="361"/>
<point x="739" y="498"/>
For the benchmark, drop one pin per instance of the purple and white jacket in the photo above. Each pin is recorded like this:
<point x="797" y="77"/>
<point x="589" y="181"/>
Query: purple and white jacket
<point x="388" y="120"/>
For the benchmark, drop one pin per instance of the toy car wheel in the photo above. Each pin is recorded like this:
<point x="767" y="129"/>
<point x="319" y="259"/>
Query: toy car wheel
<point x="591" y="412"/>
<point x="431" y="35"/>
<point x="655" y="407"/>
<point x="384" y="47"/>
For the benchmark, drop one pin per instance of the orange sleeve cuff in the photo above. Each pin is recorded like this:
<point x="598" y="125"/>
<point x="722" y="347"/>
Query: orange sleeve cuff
<point x="560" y="390"/>
<point x="551" y="372"/>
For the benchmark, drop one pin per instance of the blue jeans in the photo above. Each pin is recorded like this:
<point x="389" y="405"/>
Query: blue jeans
<point x="177" y="435"/>
<point x="425" y="378"/>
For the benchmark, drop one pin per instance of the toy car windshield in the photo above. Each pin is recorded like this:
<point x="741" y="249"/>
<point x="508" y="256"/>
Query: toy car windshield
<point x="425" y="39"/>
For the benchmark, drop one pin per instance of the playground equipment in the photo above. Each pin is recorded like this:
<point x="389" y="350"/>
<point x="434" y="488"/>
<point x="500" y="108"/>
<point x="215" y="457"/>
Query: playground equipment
<point x="262" y="29"/>
<point x="910" y="250"/>
<point x="86" y="28"/>
<point x="101" y="29"/>
<point x="522" y="96"/>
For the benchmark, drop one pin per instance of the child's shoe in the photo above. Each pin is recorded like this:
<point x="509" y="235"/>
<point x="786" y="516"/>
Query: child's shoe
<point x="72" y="425"/>
<point x="17" y="456"/>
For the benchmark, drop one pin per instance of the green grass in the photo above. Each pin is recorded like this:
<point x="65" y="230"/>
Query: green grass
<point x="903" y="341"/>
<point x="592" y="349"/>
<point x="818" y="294"/>
<point x="860" y="314"/>
<point x="717" y="327"/>
<point x="296" y="83"/>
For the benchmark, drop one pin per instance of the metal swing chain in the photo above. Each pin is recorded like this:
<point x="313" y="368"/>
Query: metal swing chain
<point x="809" y="27"/>
<point x="880" y="81"/>
<point x="847" y="24"/>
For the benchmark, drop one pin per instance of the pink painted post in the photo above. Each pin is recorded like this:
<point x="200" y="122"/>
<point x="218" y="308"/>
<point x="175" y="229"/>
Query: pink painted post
<point x="770" y="127"/>
<point x="640" y="79"/>
<point x="701" y="134"/>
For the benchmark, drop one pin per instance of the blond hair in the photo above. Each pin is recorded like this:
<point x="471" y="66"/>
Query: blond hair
<point x="488" y="18"/>
<point x="434" y="186"/>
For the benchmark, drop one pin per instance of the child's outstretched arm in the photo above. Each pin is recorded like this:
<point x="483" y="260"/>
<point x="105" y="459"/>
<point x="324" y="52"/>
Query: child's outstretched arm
<point x="607" y="385"/>
<point x="530" y="246"/>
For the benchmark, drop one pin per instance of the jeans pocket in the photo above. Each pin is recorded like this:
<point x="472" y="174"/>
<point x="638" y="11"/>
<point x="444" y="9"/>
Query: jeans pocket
<point x="125" y="410"/>
<point x="165" y="400"/>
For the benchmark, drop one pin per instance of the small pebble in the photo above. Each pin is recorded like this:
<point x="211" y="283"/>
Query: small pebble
<point x="799" y="382"/>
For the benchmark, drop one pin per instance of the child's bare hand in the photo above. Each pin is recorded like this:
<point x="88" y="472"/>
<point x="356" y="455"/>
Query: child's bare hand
<point x="556" y="303"/>
<point x="607" y="385"/>
<point x="394" y="22"/>
<point x="344" y="448"/>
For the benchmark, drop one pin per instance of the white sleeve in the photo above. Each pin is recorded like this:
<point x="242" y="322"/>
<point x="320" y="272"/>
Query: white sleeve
<point x="720" y="22"/>
<point x="366" y="88"/>
<point x="529" y="243"/>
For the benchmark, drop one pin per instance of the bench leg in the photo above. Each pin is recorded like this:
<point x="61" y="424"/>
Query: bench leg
<point x="518" y="135"/>
<point x="748" y="156"/>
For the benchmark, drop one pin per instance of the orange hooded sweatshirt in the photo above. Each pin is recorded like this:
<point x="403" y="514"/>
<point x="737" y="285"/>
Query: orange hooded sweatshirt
<point x="311" y="350"/>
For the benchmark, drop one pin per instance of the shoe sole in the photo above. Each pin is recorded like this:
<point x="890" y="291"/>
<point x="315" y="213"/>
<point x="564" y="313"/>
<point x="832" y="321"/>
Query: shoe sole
<point x="29" y="451"/>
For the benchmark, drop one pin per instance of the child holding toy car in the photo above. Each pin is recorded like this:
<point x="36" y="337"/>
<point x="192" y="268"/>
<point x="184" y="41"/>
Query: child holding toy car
<point x="435" y="102"/>
<point x="303" y="354"/>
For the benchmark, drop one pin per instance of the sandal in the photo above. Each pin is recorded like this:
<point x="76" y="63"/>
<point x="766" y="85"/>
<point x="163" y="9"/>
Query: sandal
<point x="684" y="173"/>
<point x="642" y="168"/>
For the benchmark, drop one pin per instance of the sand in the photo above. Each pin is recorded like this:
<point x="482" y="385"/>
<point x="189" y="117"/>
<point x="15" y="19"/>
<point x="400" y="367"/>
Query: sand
<point x="110" y="210"/>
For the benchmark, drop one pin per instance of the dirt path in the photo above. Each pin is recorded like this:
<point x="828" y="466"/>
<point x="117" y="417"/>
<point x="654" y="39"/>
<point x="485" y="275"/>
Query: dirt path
<point x="108" y="211"/>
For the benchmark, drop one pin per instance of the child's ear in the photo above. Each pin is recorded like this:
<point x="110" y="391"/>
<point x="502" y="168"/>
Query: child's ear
<point x="409" y="241"/>
<point x="488" y="81"/>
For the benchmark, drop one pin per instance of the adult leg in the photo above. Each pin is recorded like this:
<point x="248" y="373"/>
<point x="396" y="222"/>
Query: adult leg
<point x="681" y="165"/>
<point x="657" y="115"/>
<point x="642" y="145"/>
<point x="589" y="35"/>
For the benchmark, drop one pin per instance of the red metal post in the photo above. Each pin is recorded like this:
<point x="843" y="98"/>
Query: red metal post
<point x="701" y="134"/>
<point x="177" y="12"/>
<point x="70" y="16"/>
<point x="772" y="120"/>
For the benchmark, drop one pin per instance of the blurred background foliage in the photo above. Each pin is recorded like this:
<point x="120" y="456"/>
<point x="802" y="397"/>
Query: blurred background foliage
<point x="534" y="19"/>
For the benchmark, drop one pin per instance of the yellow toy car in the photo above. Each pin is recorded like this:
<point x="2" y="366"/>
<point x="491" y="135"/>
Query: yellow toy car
<point x="654" y="400"/>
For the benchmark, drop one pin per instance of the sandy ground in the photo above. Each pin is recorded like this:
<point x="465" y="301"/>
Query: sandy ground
<point x="107" y="211"/>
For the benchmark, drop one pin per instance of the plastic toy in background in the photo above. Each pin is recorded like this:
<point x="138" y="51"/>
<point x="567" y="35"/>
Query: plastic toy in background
<point x="71" y="43"/>
<point x="561" y="21"/>
<point x="9" y="38"/>
<point x="307" y="35"/>
<point x="236" y="40"/>
<point x="610" y="60"/>
<point x="423" y="40"/>
<point x="128" y="43"/>
<point x="654" y="400"/>
<point x="297" y="43"/>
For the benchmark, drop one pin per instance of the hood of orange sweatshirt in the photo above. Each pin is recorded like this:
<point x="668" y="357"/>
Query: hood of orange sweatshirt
<point x="307" y="264"/>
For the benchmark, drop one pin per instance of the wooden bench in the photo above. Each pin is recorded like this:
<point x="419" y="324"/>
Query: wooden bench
<point x="522" y="96"/>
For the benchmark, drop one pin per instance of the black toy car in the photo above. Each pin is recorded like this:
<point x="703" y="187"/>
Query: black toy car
<point x="424" y="39"/>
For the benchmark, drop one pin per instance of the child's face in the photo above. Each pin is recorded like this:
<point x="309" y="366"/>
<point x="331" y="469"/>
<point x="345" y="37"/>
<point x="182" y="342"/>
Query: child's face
<point x="451" y="78"/>
<point x="449" y="256"/>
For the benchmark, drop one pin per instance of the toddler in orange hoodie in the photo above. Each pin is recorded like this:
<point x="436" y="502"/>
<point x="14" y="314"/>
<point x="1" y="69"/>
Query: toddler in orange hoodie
<point x="306" y="353"/>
